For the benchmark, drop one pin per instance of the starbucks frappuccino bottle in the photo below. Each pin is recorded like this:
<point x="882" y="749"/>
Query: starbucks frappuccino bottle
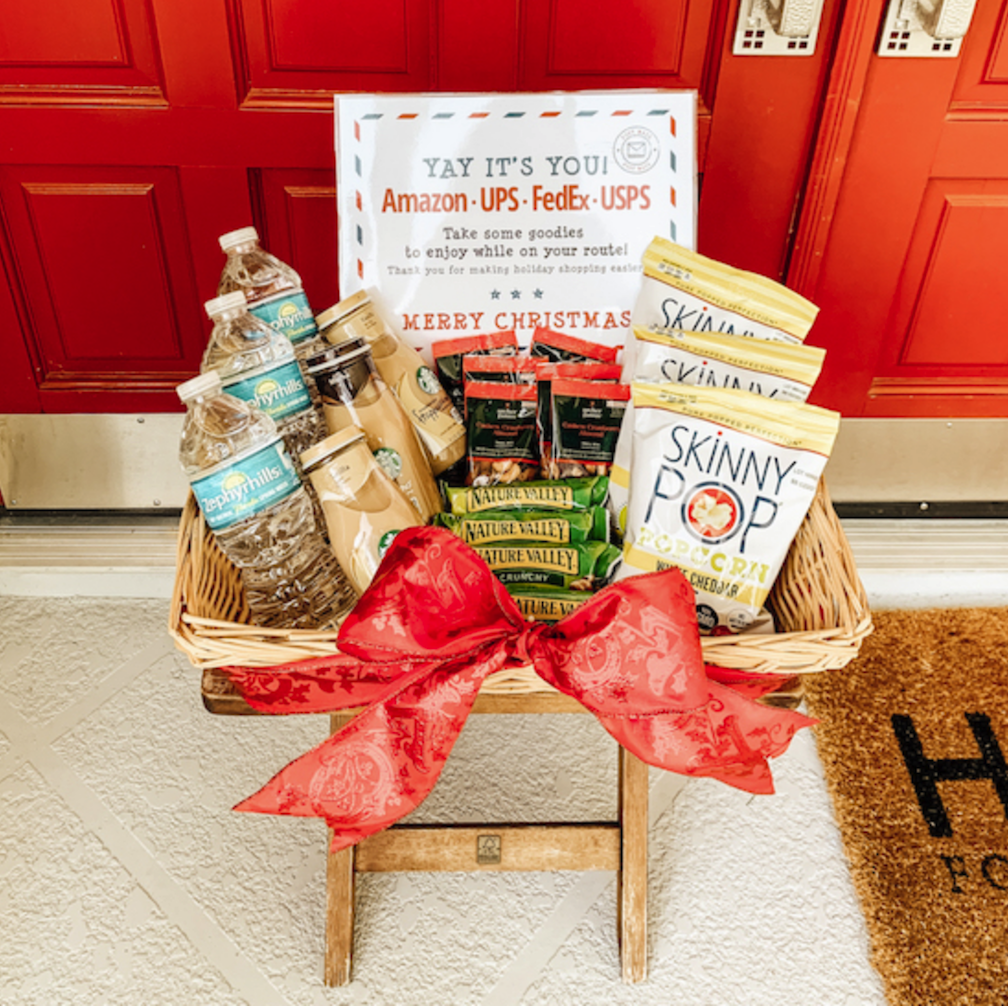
<point x="353" y="394"/>
<point x="364" y="509"/>
<point x="403" y="369"/>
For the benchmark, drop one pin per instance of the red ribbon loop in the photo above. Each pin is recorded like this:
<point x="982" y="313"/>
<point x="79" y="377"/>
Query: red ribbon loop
<point x="436" y="622"/>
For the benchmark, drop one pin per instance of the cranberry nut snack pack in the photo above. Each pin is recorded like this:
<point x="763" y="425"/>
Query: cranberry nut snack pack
<point x="721" y="481"/>
<point x="776" y="370"/>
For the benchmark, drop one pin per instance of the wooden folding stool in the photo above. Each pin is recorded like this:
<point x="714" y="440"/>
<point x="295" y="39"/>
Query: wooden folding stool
<point x="619" y="845"/>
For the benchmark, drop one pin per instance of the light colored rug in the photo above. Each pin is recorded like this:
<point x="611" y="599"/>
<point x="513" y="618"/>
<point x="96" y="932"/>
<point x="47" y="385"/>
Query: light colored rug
<point x="125" y="878"/>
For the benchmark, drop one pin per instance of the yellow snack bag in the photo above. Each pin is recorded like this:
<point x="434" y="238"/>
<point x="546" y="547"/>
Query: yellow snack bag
<point x="683" y="289"/>
<point x="780" y="370"/>
<point x="721" y="481"/>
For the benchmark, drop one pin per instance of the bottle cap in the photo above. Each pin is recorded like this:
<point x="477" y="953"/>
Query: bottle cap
<point x="332" y="359"/>
<point x="242" y="236"/>
<point x="342" y="309"/>
<point x="202" y="384"/>
<point x="324" y="449"/>
<point x="226" y="302"/>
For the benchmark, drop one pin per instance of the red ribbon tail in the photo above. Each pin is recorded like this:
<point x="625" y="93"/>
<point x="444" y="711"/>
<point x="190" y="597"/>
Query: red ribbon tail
<point x="320" y="685"/>
<point x="729" y="738"/>
<point x="385" y="762"/>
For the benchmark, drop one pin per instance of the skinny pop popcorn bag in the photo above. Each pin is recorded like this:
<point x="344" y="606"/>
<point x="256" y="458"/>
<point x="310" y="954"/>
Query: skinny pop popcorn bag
<point x="669" y="356"/>
<point x="683" y="289"/>
<point x="721" y="482"/>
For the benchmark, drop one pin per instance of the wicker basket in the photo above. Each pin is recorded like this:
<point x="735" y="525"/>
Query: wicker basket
<point x="818" y="602"/>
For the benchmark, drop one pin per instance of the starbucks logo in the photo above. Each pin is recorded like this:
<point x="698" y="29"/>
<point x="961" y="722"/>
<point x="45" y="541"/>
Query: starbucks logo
<point x="428" y="381"/>
<point x="390" y="462"/>
<point x="384" y="541"/>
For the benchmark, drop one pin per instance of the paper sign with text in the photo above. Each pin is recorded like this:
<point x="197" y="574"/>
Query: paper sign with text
<point x="465" y="214"/>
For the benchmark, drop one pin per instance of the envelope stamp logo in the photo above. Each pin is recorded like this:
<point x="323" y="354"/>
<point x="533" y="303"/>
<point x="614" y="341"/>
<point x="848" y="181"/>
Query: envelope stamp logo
<point x="636" y="150"/>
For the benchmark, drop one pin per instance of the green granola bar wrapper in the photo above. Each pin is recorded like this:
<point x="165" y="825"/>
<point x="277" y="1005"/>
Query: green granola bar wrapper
<point x="557" y="526"/>
<point x="547" y="494"/>
<point x="574" y="567"/>
<point x="546" y="604"/>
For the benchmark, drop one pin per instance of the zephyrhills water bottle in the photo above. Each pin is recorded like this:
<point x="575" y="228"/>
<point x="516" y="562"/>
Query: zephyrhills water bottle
<point x="257" y="364"/>
<point x="256" y="506"/>
<point x="273" y="291"/>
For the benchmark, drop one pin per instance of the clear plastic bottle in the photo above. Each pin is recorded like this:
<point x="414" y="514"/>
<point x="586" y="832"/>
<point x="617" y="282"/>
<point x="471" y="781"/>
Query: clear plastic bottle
<point x="273" y="291"/>
<point x="257" y="365"/>
<point x="259" y="512"/>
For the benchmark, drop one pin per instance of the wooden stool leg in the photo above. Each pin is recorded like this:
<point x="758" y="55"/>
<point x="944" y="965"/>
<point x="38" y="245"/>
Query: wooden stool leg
<point x="632" y="886"/>
<point x="339" y="903"/>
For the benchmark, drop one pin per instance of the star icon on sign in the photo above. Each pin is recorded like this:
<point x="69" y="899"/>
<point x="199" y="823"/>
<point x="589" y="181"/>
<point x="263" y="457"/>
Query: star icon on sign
<point x="537" y="294"/>
<point x="495" y="294"/>
<point x="516" y="294"/>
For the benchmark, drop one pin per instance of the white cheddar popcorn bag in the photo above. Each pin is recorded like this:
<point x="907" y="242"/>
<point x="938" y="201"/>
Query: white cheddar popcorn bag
<point x="721" y="482"/>
<point x="778" y="370"/>
<point x="683" y="289"/>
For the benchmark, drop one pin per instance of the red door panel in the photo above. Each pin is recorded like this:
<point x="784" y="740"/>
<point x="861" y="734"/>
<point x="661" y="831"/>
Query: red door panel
<point x="77" y="51"/>
<point x="298" y="224"/>
<point x="103" y="258"/>
<point x="293" y="53"/>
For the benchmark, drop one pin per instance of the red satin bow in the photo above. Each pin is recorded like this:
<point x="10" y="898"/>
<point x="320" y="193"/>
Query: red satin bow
<point x="435" y="622"/>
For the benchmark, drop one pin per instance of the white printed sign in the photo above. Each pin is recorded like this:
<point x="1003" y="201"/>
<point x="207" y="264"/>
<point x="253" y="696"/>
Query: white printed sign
<point x="465" y="214"/>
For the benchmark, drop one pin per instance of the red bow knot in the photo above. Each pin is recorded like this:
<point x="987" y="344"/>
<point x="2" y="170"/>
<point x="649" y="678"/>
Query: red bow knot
<point x="435" y="623"/>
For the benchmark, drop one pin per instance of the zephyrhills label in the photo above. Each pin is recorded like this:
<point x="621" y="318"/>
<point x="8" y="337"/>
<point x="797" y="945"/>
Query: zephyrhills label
<point x="249" y="485"/>
<point x="278" y="391"/>
<point x="288" y="312"/>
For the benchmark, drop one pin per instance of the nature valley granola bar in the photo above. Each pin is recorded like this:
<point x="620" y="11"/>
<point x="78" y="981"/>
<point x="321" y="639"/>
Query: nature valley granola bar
<point x="560" y="494"/>
<point x="574" y="567"/>
<point x="556" y="526"/>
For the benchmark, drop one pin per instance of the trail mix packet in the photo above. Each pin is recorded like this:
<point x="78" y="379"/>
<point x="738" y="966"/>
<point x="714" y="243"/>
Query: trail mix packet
<point x="546" y="374"/>
<point x="449" y="353"/>
<point x="772" y="369"/>
<point x="546" y="604"/>
<point x="486" y="367"/>
<point x="586" y="421"/>
<point x="558" y="526"/>
<point x="584" y="566"/>
<point x="561" y="494"/>
<point x="721" y="481"/>
<point x="561" y="348"/>
<point x="503" y="443"/>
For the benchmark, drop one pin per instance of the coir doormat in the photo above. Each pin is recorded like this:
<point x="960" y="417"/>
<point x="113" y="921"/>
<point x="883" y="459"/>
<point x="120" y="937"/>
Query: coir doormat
<point x="913" y="736"/>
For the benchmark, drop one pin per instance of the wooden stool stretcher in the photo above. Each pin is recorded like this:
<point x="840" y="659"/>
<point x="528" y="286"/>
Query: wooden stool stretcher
<point x="619" y="845"/>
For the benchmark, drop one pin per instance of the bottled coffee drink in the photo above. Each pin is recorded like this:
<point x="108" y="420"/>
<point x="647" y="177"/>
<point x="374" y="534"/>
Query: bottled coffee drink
<point x="353" y="394"/>
<point x="403" y="369"/>
<point x="364" y="509"/>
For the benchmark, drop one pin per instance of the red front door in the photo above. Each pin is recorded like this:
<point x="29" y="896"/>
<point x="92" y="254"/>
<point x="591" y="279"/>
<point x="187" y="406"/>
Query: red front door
<point x="905" y="235"/>
<point x="136" y="132"/>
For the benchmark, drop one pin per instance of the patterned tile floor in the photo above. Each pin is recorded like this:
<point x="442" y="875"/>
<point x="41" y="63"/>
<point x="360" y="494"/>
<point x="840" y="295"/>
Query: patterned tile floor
<point x="126" y="879"/>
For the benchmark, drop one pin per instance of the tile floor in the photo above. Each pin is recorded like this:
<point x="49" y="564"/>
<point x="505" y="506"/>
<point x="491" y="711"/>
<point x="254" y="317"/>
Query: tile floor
<point x="126" y="879"/>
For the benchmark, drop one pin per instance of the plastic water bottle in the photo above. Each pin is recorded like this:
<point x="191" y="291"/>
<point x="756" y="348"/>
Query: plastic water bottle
<point x="258" y="510"/>
<point x="257" y="364"/>
<point x="273" y="291"/>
